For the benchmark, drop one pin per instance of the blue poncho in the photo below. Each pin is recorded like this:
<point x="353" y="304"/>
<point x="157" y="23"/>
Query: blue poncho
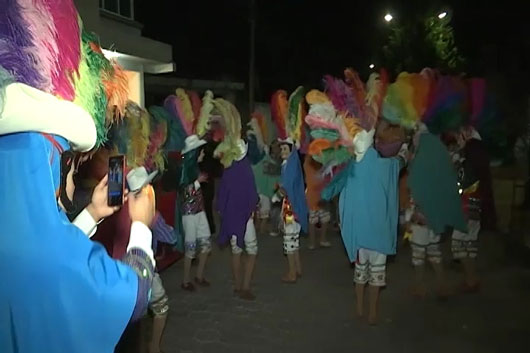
<point x="292" y="180"/>
<point x="368" y="204"/>
<point x="62" y="292"/>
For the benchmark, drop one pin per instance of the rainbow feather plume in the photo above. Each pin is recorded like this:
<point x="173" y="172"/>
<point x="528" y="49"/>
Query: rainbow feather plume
<point x="376" y="90"/>
<point x="177" y="133"/>
<point x="205" y="113"/>
<point x="16" y="46"/>
<point x="118" y="137"/>
<point x="228" y="150"/>
<point x="448" y="108"/>
<point x="89" y="89"/>
<point x="43" y="44"/>
<point x="296" y="105"/>
<point x="185" y="111"/>
<point x="139" y="131"/>
<point x="357" y="87"/>
<point x="157" y="138"/>
<point x="45" y="51"/>
<point x="116" y="86"/>
<point x="196" y="104"/>
<point x="279" y="113"/>
<point x="258" y="129"/>
<point x="336" y="91"/>
<point x="68" y="27"/>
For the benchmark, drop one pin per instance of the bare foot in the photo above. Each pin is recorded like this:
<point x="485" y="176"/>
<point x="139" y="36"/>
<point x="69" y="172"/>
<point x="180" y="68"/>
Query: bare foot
<point x="325" y="244"/>
<point x="372" y="319"/>
<point x="288" y="278"/>
<point x="247" y="295"/>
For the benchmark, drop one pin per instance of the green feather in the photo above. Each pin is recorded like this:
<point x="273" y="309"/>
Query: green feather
<point x="328" y="134"/>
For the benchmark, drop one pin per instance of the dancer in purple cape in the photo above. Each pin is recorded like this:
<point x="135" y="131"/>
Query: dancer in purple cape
<point x="237" y="200"/>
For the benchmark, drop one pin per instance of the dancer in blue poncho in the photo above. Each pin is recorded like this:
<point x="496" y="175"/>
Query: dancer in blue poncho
<point x="288" y="117"/>
<point x="368" y="207"/>
<point x="65" y="294"/>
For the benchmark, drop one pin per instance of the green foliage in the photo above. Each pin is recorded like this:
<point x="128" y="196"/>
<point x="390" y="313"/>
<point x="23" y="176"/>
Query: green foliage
<point x="440" y="35"/>
<point x="414" y="44"/>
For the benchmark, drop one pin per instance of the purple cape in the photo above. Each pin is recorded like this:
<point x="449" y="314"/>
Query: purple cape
<point x="237" y="198"/>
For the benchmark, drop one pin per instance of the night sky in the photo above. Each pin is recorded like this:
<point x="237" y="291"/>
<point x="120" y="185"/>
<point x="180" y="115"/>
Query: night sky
<point x="297" y="43"/>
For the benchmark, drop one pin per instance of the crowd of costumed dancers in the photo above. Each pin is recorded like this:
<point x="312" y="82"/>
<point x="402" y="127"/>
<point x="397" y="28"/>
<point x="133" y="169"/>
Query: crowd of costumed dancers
<point x="410" y="153"/>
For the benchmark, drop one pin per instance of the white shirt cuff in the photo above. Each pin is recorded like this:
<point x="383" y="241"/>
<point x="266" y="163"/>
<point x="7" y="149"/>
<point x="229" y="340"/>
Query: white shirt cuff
<point x="275" y="198"/>
<point x="141" y="238"/>
<point x="86" y="223"/>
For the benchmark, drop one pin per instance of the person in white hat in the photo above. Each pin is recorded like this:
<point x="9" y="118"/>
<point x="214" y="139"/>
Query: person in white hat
<point x="194" y="221"/>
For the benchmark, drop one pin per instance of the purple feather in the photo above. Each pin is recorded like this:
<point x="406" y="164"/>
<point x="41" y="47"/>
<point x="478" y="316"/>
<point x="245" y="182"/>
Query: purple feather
<point x="341" y="96"/>
<point x="16" y="45"/>
<point x="335" y="93"/>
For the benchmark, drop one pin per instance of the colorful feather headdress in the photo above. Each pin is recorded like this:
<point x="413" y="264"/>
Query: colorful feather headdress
<point x="229" y="149"/>
<point x="279" y="113"/>
<point x="157" y="138"/>
<point x="205" y="113"/>
<point x="130" y="136"/>
<point x="329" y="130"/>
<point x="43" y="44"/>
<point x="288" y="115"/>
<point x="447" y="109"/>
<point x="406" y="100"/>
<point x="296" y="115"/>
<point x="335" y="117"/>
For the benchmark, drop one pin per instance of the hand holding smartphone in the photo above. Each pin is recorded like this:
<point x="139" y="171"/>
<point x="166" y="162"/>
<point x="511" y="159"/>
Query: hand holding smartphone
<point x="116" y="180"/>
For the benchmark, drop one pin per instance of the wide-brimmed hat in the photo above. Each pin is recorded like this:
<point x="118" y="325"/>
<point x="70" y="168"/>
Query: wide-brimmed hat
<point x="28" y="109"/>
<point x="138" y="178"/>
<point x="192" y="142"/>
<point x="288" y="141"/>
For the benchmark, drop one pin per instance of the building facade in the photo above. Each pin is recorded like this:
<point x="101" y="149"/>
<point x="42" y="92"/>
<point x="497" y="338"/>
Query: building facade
<point x="121" y="38"/>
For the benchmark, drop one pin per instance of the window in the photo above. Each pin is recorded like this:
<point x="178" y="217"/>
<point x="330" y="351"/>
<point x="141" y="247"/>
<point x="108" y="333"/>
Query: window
<point x="123" y="8"/>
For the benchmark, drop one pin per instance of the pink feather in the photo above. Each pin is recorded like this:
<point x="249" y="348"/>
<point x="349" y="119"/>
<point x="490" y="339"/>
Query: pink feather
<point x="316" y="122"/>
<point x="342" y="96"/>
<point x="335" y="93"/>
<point x="68" y="45"/>
<point x="356" y="85"/>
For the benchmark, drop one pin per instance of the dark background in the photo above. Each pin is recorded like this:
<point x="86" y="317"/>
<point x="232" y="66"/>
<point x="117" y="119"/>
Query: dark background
<point x="298" y="41"/>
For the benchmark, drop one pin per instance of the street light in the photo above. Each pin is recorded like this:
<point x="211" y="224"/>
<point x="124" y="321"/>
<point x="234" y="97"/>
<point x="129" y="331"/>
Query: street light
<point x="388" y="17"/>
<point x="442" y="15"/>
<point x="372" y="66"/>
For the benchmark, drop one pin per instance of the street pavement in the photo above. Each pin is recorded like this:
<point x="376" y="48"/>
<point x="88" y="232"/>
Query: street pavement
<point x="317" y="313"/>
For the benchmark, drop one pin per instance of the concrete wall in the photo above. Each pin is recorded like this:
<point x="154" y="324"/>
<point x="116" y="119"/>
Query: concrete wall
<point x="120" y="34"/>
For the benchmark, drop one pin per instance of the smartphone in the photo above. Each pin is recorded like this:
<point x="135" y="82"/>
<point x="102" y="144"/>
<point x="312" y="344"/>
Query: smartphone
<point x="116" y="180"/>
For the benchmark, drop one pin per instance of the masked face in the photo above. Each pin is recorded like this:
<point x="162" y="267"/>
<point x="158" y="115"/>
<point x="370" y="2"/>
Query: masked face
<point x="285" y="151"/>
<point x="275" y="151"/>
<point x="361" y="142"/>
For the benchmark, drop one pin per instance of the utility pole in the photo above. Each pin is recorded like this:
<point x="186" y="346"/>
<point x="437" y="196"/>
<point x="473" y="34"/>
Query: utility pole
<point x="252" y="64"/>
